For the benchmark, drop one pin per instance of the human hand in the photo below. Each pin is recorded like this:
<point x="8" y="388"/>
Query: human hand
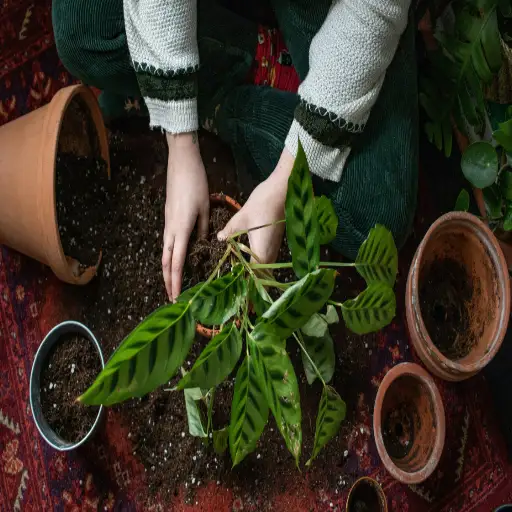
<point x="187" y="201"/>
<point x="264" y="206"/>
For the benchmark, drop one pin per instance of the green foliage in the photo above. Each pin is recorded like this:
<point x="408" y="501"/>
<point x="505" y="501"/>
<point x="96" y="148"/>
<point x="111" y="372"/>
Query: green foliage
<point x="221" y="299"/>
<point x="249" y="317"/>
<point x="249" y="411"/>
<point x="377" y="259"/>
<point x="327" y="219"/>
<point x="480" y="164"/>
<point x="462" y="203"/>
<point x="276" y="373"/>
<point x="301" y="218"/>
<point x="147" y="358"/>
<point x="371" y="310"/>
<point x="216" y="361"/>
<point x="468" y="57"/>
<point x="331" y="413"/>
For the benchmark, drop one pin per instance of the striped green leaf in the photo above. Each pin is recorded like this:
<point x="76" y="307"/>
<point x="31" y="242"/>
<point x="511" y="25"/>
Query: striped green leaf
<point x="294" y="308"/>
<point x="377" y="259"/>
<point x="277" y="377"/>
<point x="147" y="358"/>
<point x="249" y="412"/>
<point x="319" y="323"/>
<point x="371" y="310"/>
<point x="220" y="440"/>
<point x="321" y="352"/>
<point x="331" y="413"/>
<point x="259" y="297"/>
<point x="301" y="221"/>
<point x="194" y="417"/>
<point x="216" y="361"/>
<point x="221" y="299"/>
<point x="327" y="219"/>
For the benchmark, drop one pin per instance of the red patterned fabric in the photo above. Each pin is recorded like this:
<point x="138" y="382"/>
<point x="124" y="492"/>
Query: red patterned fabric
<point x="473" y="474"/>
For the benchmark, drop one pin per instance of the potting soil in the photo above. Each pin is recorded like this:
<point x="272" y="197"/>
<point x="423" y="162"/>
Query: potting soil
<point x="70" y="369"/>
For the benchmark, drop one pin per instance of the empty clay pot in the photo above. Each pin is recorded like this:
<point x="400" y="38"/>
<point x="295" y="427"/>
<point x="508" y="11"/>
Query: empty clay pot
<point x="28" y="150"/>
<point x="366" y="494"/>
<point x="409" y="423"/>
<point x="463" y="238"/>
<point x="233" y="206"/>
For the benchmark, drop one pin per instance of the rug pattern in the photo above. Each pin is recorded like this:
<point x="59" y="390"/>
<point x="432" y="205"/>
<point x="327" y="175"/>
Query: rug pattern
<point x="473" y="475"/>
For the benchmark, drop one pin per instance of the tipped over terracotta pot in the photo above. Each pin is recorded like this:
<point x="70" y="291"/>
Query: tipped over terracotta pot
<point x="458" y="297"/>
<point x="28" y="152"/>
<point x="233" y="206"/>
<point x="366" y="494"/>
<point x="409" y="423"/>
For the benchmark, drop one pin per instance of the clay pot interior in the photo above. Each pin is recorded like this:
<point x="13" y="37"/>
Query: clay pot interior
<point x="366" y="495"/>
<point x="408" y="423"/>
<point x="453" y="241"/>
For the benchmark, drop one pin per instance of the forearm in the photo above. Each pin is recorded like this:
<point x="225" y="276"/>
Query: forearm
<point x="162" y="38"/>
<point x="348" y="61"/>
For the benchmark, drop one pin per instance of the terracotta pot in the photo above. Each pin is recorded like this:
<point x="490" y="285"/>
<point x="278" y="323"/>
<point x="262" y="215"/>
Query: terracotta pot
<point x="464" y="238"/>
<point x="369" y="494"/>
<point x="409" y="423"/>
<point x="28" y="149"/>
<point x="232" y="205"/>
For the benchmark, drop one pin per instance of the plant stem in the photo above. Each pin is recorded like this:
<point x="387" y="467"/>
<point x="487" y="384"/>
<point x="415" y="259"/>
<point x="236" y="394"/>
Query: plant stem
<point x="317" y="371"/>
<point x="275" y="284"/>
<point x="246" y="231"/>
<point x="256" y="266"/>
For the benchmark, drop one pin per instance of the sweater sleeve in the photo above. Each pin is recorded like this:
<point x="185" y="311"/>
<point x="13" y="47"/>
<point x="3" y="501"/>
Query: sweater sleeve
<point x="348" y="59"/>
<point x="162" y="39"/>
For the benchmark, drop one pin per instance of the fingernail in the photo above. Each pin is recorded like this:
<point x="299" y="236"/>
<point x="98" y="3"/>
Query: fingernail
<point x="220" y="236"/>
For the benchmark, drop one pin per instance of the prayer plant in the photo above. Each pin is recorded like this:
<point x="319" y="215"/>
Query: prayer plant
<point x="255" y="331"/>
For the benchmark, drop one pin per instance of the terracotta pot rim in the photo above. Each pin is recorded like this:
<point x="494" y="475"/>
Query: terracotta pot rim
<point x="375" y="484"/>
<point x="59" y="263"/>
<point x="413" y="303"/>
<point x="218" y="198"/>
<point x="416" y="371"/>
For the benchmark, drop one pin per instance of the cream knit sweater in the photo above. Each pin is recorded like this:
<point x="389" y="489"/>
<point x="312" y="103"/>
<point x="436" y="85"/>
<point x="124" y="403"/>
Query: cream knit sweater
<point x="348" y="61"/>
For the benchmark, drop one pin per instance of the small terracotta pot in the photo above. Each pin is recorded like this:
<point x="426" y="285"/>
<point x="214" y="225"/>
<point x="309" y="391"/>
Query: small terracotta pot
<point x="464" y="238"/>
<point x="373" y="493"/>
<point x="28" y="149"/>
<point x="409" y="423"/>
<point x="233" y="206"/>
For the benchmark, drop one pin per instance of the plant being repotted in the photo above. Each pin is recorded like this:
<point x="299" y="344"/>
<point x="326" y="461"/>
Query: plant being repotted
<point x="255" y="329"/>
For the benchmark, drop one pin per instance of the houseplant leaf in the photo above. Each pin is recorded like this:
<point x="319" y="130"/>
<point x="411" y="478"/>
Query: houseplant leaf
<point x="295" y="307"/>
<point x="507" y="221"/>
<point x="371" y="310"/>
<point x="194" y="417"/>
<point x="506" y="184"/>
<point x="493" y="201"/>
<point x="221" y="299"/>
<point x="301" y="221"/>
<point x="277" y="376"/>
<point x="462" y="203"/>
<point x="331" y="413"/>
<point x="480" y="164"/>
<point x="319" y="323"/>
<point x="259" y="297"/>
<point x="216" y="361"/>
<point x="220" y="440"/>
<point x="503" y="135"/>
<point x="249" y="412"/>
<point x="321" y="352"/>
<point x="147" y="358"/>
<point x="327" y="219"/>
<point x="377" y="259"/>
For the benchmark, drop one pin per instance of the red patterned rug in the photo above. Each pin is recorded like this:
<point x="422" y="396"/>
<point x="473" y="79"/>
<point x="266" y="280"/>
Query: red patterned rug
<point x="473" y="474"/>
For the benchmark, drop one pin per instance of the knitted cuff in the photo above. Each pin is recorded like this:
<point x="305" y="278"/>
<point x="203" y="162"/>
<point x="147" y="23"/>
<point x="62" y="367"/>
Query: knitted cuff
<point x="324" y="161"/>
<point x="177" y="116"/>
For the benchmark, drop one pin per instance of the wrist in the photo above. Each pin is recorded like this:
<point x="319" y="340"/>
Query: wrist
<point x="182" y="140"/>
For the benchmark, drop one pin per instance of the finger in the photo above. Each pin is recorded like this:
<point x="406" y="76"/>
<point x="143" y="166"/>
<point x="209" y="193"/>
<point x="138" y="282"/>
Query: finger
<point x="166" y="263"/>
<point x="234" y="225"/>
<point x="178" y="260"/>
<point x="203" y="222"/>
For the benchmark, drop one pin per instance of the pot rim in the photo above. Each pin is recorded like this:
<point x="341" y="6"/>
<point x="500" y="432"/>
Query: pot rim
<point x="218" y="199"/>
<point x="375" y="484"/>
<point x="34" y="388"/>
<point x="495" y="254"/>
<point x="416" y="371"/>
<point x="61" y="265"/>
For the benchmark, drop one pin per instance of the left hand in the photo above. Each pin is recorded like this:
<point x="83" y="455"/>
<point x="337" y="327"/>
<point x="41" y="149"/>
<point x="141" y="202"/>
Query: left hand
<point x="264" y="206"/>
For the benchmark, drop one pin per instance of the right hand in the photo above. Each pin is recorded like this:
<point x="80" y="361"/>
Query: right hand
<point x="187" y="202"/>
